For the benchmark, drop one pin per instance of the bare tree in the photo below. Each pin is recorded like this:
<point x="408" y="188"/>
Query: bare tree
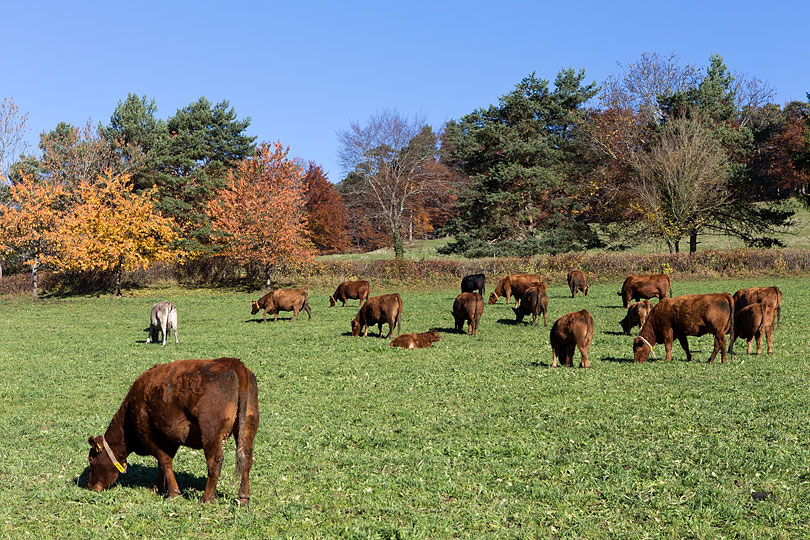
<point x="395" y="159"/>
<point x="13" y="129"/>
<point x="681" y="182"/>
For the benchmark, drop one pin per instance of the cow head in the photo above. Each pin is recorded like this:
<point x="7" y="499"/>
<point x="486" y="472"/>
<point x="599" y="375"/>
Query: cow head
<point x="433" y="335"/>
<point x="627" y="324"/>
<point x="493" y="298"/>
<point x="102" y="471"/>
<point x="255" y="308"/>
<point x="331" y="301"/>
<point x="641" y="350"/>
<point x="355" y="327"/>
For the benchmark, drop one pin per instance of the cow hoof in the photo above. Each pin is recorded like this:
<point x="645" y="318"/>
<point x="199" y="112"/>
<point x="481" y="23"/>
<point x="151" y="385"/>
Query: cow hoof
<point x="173" y="494"/>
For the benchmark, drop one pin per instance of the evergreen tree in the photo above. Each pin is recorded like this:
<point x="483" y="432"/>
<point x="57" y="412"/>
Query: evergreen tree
<point x="527" y="164"/>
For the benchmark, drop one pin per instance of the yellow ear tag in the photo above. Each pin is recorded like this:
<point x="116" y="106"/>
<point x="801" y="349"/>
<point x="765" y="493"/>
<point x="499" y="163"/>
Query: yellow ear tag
<point x="98" y="447"/>
<point x="120" y="468"/>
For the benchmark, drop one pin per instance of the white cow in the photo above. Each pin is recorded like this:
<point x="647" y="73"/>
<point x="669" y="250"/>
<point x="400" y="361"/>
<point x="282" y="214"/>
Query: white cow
<point x="162" y="319"/>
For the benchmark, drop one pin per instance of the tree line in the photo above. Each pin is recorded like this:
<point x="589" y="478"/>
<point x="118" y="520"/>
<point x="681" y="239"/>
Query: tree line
<point x="660" y="150"/>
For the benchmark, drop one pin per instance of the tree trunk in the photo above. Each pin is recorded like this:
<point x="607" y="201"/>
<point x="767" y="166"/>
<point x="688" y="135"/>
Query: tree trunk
<point x="693" y="241"/>
<point x="677" y="246"/>
<point x="118" y="273"/>
<point x="1" y="269"/>
<point x="399" y="247"/>
<point x="268" y="270"/>
<point x="35" y="277"/>
<point x="410" y="229"/>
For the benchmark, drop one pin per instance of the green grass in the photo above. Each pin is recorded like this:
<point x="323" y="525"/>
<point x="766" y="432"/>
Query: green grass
<point x="475" y="438"/>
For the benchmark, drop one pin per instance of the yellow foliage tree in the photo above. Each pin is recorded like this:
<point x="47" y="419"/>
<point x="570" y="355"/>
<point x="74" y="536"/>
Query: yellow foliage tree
<point x="30" y="222"/>
<point x="113" y="228"/>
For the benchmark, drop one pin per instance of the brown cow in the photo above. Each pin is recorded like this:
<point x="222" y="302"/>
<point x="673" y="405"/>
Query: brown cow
<point x="767" y="295"/>
<point x="513" y="285"/>
<point x="294" y="300"/>
<point x="577" y="282"/>
<point x="687" y="315"/>
<point x="636" y="316"/>
<point x="417" y="341"/>
<point x="356" y="290"/>
<point x="468" y="306"/>
<point x="571" y="330"/>
<point x="193" y="403"/>
<point x="532" y="302"/>
<point x="645" y="286"/>
<point x="752" y="322"/>
<point x="386" y="308"/>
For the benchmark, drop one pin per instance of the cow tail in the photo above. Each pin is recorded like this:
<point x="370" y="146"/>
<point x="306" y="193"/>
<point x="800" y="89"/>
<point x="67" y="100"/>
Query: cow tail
<point x="669" y="281"/>
<point x="247" y="418"/>
<point x="779" y="308"/>
<point x="399" y="316"/>
<point x="731" y="322"/>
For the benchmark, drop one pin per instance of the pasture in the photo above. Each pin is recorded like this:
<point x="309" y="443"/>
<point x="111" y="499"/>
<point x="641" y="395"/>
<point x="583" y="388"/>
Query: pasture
<point x="477" y="437"/>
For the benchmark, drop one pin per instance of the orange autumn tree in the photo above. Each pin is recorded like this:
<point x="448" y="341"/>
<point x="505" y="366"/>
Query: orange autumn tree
<point x="112" y="228"/>
<point x="30" y="222"/>
<point x="260" y="213"/>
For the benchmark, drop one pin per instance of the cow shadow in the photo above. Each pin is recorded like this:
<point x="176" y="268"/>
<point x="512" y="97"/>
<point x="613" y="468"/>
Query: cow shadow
<point x="616" y="359"/>
<point x="614" y="333"/>
<point x="610" y="307"/>
<point x="270" y="319"/>
<point x="139" y="476"/>
<point x="448" y="330"/>
<point x="510" y="322"/>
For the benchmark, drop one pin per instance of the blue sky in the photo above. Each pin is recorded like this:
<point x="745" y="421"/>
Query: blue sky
<point x="302" y="71"/>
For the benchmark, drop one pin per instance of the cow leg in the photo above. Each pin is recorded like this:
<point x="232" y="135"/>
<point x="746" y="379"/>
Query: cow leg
<point x="553" y="356"/>
<point x="295" y="313"/>
<point x="750" y="344"/>
<point x="668" y="349"/>
<point x="165" y="327"/>
<point x="161" y="481"/>
<point x="265" y="315"/>
<point x="719" y="344"/>
<point x="769" y="338"/>
<point x="365" y="332"/>
<point x="306" y="308"/>
<point x="759" y="343"/>
<point x="165" y="465"/>
<point x="213" y="458"/>
<point x="534" y="319"/>
<point x="390" y="329"/>
<point x="545" y="318"/>
<point x="569" y="354"/>
<point x="584" y="363"/>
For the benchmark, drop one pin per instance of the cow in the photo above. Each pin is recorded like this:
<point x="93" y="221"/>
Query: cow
<point x="636" y="316"/>
<point x="474" y="282"/>
<point x="687" y="315"/>
<point x="386" y="308"/>
<point x="569" y="331"/>
<point x="531" y="303"/>
<point x="294" y="300"/>
<point x="356" y="290"/>
<point x="162" y="319"/>
<point x="514" y="285"/>
<point x="767" y="295"/>
<point x="577" y="282"/>
<point x="468" y="306"/>
<point x="192" y="403"/>
<point x="645" y="286"/>
<point x="750" y="323"/>
<point x="417" y="341"/>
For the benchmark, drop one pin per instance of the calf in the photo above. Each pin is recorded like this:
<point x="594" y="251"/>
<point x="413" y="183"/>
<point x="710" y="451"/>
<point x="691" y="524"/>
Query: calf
<point x="636" y="316"/>
<point x="569" y="331"/>
<point x="577" y="282"/>
<point x="417" y="341"/>
<point x="468" y="306"/>
<point x="752" y="322"/>
<point x="514" y="284"/>
<point x="294" y="300"/>
<point x="474" y="282"/>
<point x="193" y="403"/>
<point x="687" y="315"/>
<point x="766" y="295"/>
<point x="356" y="290"/>
<point x="386" y="308"/>
<point x="162" y="319"/>
<point x="532" y="302"/>
<point x="645" y="286"/>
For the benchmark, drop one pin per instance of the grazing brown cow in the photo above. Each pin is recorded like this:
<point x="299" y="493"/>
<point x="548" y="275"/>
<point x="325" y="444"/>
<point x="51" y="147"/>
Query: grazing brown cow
<point x="645" y="286"/>
<point x="417" y="341"/>
<point x="294" y="300"/>
<point x="766" y="295"/>
<point x="468" y="306"/>
<point x="687" y="315"/>
<point x="356" y="290"/>
<point x="514" y="284"/>
<point x="636" y="316"/>
<point x="532" y="302"/>
<point x="752" y="322"/>
<point x="193" y="403"/>
<point x="577" y="282"/>
<point x="569" y="331"/>
<point x="386" y="308"/>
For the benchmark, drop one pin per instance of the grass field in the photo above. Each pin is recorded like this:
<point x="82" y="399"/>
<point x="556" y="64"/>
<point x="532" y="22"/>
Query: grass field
<point x="476" y="438"/>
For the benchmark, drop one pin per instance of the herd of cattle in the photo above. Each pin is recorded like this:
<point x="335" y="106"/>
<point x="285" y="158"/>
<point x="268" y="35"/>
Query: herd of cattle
<point x="201" y="403"/>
